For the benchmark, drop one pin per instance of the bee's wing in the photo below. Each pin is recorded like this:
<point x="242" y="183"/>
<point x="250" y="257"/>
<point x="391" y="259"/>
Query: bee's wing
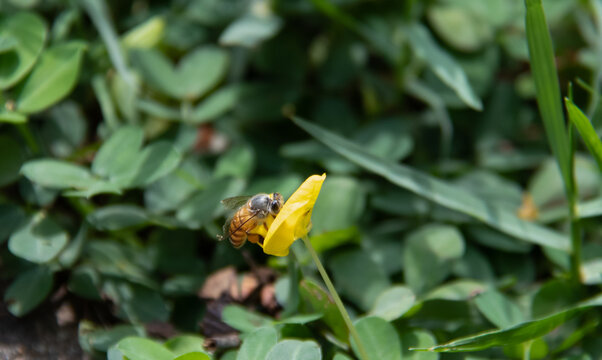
<point x="233" y="203"/>
<point x="225" y="230"/>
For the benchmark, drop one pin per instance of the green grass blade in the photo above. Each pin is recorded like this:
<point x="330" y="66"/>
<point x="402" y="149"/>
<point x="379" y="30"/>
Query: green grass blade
<point x="587" y="131"/>
<point x="439" y="191"/>
<point x="518" y="333"/>
<point x="546" y="85"/>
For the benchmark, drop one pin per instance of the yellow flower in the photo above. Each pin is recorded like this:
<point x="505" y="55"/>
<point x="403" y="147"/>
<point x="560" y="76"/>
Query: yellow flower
<point x="294" y="219"/>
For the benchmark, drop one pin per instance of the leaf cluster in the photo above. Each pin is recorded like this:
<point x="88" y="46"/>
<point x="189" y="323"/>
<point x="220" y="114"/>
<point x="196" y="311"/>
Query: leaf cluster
<point x="460" y="212"/>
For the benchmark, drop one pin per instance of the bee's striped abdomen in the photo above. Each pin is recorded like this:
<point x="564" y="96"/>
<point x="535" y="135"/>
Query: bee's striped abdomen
<point x="242" y="222"/>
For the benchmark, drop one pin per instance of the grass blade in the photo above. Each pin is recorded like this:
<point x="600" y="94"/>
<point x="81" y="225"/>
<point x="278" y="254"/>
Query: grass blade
<point x="518" y="333"/>
<point x="439" y="191"/>
<point x="543" y="67"/>
<point x="587" y="131"/>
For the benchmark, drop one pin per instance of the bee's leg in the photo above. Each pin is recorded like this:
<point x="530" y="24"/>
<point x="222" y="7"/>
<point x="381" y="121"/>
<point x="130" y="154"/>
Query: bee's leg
<point x="255" y="238"/>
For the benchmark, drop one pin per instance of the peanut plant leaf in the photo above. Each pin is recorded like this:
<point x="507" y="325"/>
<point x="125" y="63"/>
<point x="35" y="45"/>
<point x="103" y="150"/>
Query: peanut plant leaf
<point x="39" y="241"/>
<point x="443" y="65"/>
<point x="57" y="174"/>
<point x="27" y="32"/>
<point x="257" y="344"/>
<point x="137" y="348"/>
<point x="28" y="290"/>
<point x="116" y="155"/>
<point x="295" y="350"/>
<point x="53" y="77"/>
<point x="379" y="338"/>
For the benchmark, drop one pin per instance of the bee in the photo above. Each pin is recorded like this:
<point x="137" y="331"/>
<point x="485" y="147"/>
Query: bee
<point x="251" y="211"/>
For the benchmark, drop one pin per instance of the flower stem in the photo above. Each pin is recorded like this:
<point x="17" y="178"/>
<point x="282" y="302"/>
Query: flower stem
<point x="337" y="299"/>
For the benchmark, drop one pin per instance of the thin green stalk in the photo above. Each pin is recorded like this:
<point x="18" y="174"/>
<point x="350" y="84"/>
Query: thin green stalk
<point x="576" y="242"/>
<point x="336" y="298"/>
<point x="527" y="350"/>
<point x="573" y="198"/>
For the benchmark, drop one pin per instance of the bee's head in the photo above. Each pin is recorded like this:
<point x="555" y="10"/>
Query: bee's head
<point x="276" y="203"/>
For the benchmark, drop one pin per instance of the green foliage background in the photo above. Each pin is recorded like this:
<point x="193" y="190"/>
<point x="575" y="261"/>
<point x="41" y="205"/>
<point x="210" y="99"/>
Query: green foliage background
<point x="444" y="214"/>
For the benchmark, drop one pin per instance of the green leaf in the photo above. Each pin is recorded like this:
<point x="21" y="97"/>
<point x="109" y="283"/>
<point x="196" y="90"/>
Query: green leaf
<point x="340" y="205"/>
<point x="53" y="77"/>
<point x="193" y="356"/>
<point x="361" y="284"/>
<point x="146" y="35"/>
<point x="238" y="162"/>
<point x="590" y="208"/>
<point x="439" y="191"/>
<point x="428" y="255"/>
<point x="155" y="161"/>
<point x="201" y="70"/>
<point x="518" y="333"/>
<point x="12" y="117"/>
<point x="84" y="281"/>
<point x="591" y="271"/>
<point x="117" y="217"/>
<point x="96" y="187"/>
<point x="28" y="290"/>
<point x="418" y="339"/>
<point x="316" y="299"/>
<point x="379" y="338"/>
<point x="7" y="42"/>
<point x="457" y="290"/>
<point x="11" y="218"/>
<point x="136" y="303"/>
<point x="442" y="64"/>
<point x="204" y="206"/>
<point x="137" y="348"/>
<point x="183" y="344"/>
<point x="543" y="67"/>
<point x="103" y="339"/>
<point x="498" y="309"/>
<point x="11" y="162"/>
<point x="57" y="174"/>
<point x="116" y="155"/>
<point x="257" y="344"/>
<point x="393" y="303"/>
<point x="197" y="73"/>
<point x="215" y="105"/>
<point x="172" y="190"/>
<point x="66" y="129"/>
<point x="39" y="241"/>
<point x="587" y="131"/>
<point x="462" y="28"/>
<point x="250" y="30"/>
<point x="299" y="319"/>
<point x="29" y="32"/>
<point x="295" y="350"/>
<point x="69" y="256"/>
<point x="244" y="320"/>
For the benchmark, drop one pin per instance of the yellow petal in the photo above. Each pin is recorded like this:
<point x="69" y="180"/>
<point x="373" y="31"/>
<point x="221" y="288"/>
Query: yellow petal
<point x="294" y="219"/>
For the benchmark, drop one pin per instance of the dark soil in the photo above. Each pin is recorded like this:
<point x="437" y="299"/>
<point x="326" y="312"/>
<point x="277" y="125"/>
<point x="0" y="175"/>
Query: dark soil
<point x="38" y="335"/>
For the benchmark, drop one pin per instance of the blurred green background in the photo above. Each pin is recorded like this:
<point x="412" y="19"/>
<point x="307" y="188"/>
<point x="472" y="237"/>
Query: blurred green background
<point x="124" y="123"/>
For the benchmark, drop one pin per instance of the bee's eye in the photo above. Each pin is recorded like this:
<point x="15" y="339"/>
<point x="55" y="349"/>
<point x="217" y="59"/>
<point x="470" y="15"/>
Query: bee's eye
<point x="275" y="206"/>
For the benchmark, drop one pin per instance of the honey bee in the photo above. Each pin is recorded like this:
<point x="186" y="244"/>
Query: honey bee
<point x="251" y="211"/>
